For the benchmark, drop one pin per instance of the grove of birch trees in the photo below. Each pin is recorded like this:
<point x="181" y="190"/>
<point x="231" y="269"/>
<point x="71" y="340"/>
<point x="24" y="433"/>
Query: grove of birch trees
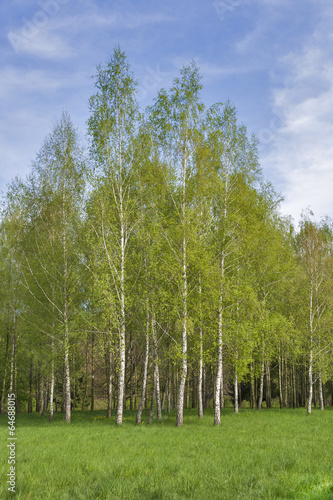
<point x="147" y="266"/>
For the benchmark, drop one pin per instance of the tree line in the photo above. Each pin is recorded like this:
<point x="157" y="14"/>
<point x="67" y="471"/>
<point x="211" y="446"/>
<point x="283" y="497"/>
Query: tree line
<point x="152" y="268"/>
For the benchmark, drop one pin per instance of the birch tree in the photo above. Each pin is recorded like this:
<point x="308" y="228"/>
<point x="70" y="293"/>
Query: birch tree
<point x="315" y="247"/>
<point x="175" y="119"/>
<point x="51" y="202"/>
<point x="113" y="129"/>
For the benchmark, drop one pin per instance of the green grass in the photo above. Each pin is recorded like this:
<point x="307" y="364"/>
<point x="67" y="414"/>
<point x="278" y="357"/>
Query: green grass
<point x="253" y="455"/>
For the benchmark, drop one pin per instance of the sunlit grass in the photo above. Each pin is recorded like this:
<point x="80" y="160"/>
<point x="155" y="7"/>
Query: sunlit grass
<point x="268" y="454"/>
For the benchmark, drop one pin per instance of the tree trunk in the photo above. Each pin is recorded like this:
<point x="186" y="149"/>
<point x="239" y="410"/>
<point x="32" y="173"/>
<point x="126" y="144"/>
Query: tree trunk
<point x="252" y="391"/>
<point x="200" y="405"/>
<point x="2" y="406"/>
<point x="236" y="391"/>
<point x="280" y="382"/>
<point x="109" y="382"/>
<point x="261" y="389"/>
<point x="151" y="412"/>
<point x="217" y="406"/>
<point x="310" y="382"/>
<point x="92" y="393"/>
<point x="268" y="385"/>
<point x="311" y="318"/>
<point x="12" y="361"/>
<point x="67" y="381"/>
<point x="180" y="403"/>
<point x="294" y="386"/>
<point x="30" y="387"/>
<point x="74" y="383"/>
<point x="169" y="390"/>
<point x="63" y="395"/>
<point x="321" y="395"/>
<point x="156" y="370"/>
<point x="86" y="380"/>
<point x="41" y="395"/>
<point x="164" y="396"/>
<point x="122" y="352"/>
<point x="46" y="396"/>
<point x="52" y="385"/>
<point x="286" y="384"/>
<point x="145" y="373"/>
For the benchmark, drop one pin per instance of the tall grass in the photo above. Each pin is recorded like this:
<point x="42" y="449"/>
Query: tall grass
<point x="253" y="455"/>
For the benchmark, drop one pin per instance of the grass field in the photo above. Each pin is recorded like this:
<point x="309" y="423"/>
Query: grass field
<point x="253" y="455"/>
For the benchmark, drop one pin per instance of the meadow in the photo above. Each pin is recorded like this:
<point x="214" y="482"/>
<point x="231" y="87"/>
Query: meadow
<point x="253" y="455"/>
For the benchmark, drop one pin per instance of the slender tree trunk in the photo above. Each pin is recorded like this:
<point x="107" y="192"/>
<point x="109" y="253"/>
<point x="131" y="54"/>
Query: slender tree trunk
<point x="151" y="413"/>
<point x="236" y="391"/>
<point x="52" y="385"/>
<point x="188" y="393"/>
<point x="41" y="394"/>
<point x="30" y="387"/>
<point x="92" y="394"/>
<point x="321" y="396"/>
<point x="252" y="391"/>
<point x="109" y="382"/>
<point x="67" y="382"/>
<point x="46" y="396"/>
<point x="122" y="332"/>
<point x="74" y="383"/>
<point x="294" y="386"/>
<point x="145" y="373"/>
<point x="85" y="381"/>
<point x="311" y="354"/>
<point x="169" y="389"/>
<point x="222" y="391"/>
<point x="56" y="393"/>
<point x="268" y="385"/>
<point x="261" y="389"/>
<point x="12" y="361"/>
<point x="2" y="406"/>
<point x="200" y="405"/>
<point x="217" y="406"/>
<point x="180" y="403"/>
<point x="156" y="370"/>
<point x="286" y="384"/>
<point x="280" y="382"/>
<point x="63" y="395"/>
<point x="164" y="396"/>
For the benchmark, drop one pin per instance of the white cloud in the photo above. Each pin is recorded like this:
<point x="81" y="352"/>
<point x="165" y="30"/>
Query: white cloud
<point x="42" y="43"/>
<point x="16" y="81"/>
<point x="302" y="149"/>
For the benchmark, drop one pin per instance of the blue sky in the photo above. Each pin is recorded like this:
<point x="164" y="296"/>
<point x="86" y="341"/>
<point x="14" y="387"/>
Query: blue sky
<point x="271" y="58"/>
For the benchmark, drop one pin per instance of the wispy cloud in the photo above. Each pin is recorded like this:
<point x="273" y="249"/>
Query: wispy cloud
<point x="44" y="43"/>
<point x="302" y="152"/>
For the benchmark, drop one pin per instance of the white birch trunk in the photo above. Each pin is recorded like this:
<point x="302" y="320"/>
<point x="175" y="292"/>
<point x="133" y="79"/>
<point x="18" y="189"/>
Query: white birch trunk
<point x="52" y="385"/>
<point x="122" y="353"/>
<point x="2" y="405"/>
<point x="236" y="390"/>
<point x="145" y="373"/>
<point x="261" y="389"/>
<point x="109" y="383"/>
<point x="41" y="395"/>
<point x="67" y="381"/>
<point x="180" y="406"/>
<point x="200" y="403"/>
<point x="321" y="395"/>
<point x="217" y="405"/>
<point x="151" y="412"/>
<point x="311" y="353"/>
<point x="11" y="382"/>
<point x="156" y="371"/>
